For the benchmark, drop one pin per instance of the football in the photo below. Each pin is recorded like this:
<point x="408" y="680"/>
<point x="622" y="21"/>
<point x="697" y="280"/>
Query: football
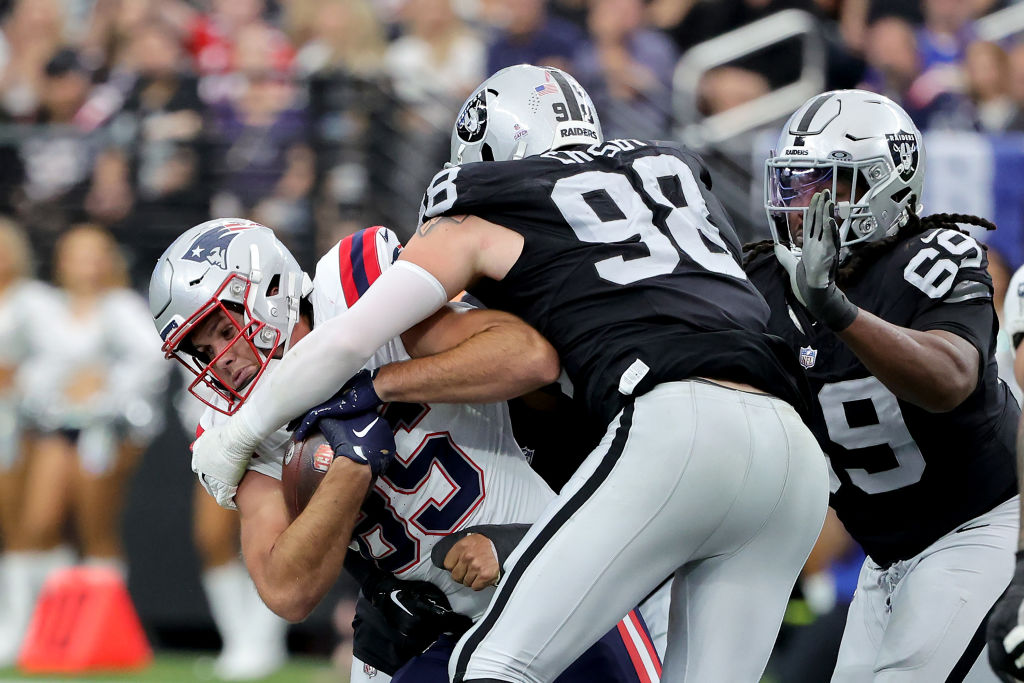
<point x="304" y="467"/>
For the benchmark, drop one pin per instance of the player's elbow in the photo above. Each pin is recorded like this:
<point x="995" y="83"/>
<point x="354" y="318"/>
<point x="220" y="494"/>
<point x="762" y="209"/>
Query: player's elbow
<point x="539" y="363"/>
<point x="292" y="605"/>
<point x="952" y="392"/>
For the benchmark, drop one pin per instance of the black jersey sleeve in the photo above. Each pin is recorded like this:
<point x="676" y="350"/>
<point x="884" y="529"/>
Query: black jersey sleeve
<point x="946" y="283"/>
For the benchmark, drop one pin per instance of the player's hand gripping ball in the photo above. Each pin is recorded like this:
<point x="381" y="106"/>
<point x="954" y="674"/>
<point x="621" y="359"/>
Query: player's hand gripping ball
<point x="366" y="439"/>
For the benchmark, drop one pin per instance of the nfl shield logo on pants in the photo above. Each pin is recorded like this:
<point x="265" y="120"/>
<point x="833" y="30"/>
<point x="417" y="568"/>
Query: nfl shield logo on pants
<point x="808" y="356"/>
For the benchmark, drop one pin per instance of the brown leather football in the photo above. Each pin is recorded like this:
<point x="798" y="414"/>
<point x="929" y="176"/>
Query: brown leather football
<point x="304" y="467"/>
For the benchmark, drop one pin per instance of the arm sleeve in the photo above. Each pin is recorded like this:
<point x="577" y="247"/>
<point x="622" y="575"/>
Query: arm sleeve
<point x="315" y="368"/>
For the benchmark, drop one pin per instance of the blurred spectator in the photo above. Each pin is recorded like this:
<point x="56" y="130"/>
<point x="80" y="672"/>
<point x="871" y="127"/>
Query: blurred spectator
<point x="725" y="87"/>
<point x="33" y="33"/>
<point x="336" y="36"/>
<point x="92" y="387"/>
<point x="432" y="67"/>
<point x="264" y="165"/>
<point x="436" y="63"/>
<point x="1015" y="85"/>
<point x="894" y="70"/>
<point x="943" y="37"/>
<point x="112" y="23"/>
<point x="57" y="159"/>
<point x="156" y="157"/>
<point x="211" y="36"/>
<point x="627" y="69"/>
<point x="988" y="86"/>
<point x="528" y="34"/>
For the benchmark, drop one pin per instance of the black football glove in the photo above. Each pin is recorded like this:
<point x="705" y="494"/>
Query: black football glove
<point x="357" y="396"/>
<point x="365" y="438"/>
<point x="418" y="610"/>
<point x="813" y="275"/>
<point x="1006" y="628"/>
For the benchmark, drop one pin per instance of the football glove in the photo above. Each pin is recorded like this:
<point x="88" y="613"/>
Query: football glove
<point x="418" y="610"/>
<point x="812" y="276"/>
<point x="357" y="396"/>
<point x="220" y="457"/>
<point x="365" y="438"/>
<point x="1006" y="628"/>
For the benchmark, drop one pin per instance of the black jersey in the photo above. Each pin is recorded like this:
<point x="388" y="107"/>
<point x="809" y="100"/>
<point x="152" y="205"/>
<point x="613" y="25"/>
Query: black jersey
<point x="630" y="268"/>
<point x="901" y="476"/>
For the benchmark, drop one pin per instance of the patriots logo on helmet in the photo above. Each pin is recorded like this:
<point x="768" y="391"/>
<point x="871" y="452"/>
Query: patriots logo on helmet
<point x="212" y="246"/>
<point x="473" y="120"/>
<point x="903" y="148"/>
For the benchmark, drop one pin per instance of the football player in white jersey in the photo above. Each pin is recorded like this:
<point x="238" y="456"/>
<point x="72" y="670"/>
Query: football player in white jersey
<point x="228" y="299"/>
<point x="92" y="391"/>
<point x="620" y="255"/>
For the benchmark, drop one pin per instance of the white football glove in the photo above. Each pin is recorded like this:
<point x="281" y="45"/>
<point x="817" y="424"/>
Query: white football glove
<point x="220" y="457"/>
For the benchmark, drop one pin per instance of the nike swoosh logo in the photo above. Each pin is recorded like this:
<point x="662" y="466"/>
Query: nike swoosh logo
<point x="968" y="528"/>
<point x="360" y="433"/>
<point x="395" y="600"/>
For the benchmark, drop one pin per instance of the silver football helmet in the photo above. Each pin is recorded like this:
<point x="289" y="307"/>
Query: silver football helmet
<point x="234" y="266"/>
<point x="521" y="111"/>
<point x="860" y="145"/>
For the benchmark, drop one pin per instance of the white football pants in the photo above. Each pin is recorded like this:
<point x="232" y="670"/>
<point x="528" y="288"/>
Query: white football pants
<point x="726" y="488"/>
<point x="920" y="619"/>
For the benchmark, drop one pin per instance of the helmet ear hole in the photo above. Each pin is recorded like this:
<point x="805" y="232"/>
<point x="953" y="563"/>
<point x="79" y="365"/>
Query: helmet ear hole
<point x="900" y="194"/>
<point x="274" y="285"/>
<point x="486" y="153"/>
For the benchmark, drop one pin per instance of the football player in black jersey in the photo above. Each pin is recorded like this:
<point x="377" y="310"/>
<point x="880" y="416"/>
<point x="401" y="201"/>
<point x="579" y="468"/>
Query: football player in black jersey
<point x="891" y="317"/>
<point x="619" y="254"/>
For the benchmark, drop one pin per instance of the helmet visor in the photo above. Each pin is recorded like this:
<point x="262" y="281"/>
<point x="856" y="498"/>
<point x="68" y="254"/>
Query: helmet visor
<point x="790" y="187"/>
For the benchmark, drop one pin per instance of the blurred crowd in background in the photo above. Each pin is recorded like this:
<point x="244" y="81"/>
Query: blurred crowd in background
<point x="124" y="122"/>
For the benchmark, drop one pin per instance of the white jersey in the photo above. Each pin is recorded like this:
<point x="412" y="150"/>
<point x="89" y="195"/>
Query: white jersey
<point x="457" y="466"/>
<point x="115" y="339"/>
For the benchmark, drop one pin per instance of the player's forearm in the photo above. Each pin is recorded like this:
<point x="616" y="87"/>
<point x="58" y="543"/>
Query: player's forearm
<point x="308" y="556"/>
<point x="923" y="368"/>
<point x="320" y="364"/>
<point x="496" y="364"/>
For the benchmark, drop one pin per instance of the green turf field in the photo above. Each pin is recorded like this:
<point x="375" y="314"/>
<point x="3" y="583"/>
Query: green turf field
<point x="182" y="667"/>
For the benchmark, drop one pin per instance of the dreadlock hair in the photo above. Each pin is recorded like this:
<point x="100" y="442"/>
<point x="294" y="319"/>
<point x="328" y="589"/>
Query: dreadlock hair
<point x="863" y="255"/>
<point x="752" y="250"/>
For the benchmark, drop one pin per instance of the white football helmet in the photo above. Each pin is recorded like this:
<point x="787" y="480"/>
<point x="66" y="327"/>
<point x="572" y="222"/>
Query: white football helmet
<point x="860" y="145"/>
<point x="521" y="111"/>
<point x="229" y="265"/>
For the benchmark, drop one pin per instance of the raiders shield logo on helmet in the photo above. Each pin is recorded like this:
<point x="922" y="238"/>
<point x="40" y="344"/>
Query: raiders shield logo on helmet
<point x="473" y="119"/>
<point x="903" y="148"/>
